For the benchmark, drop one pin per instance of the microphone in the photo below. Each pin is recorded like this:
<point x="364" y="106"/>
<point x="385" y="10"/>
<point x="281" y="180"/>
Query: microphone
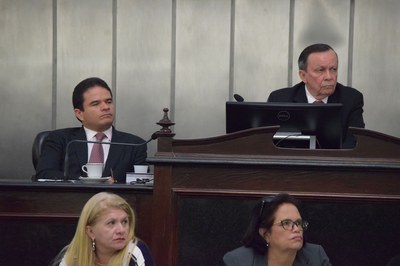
<point x="238" y="98"/>
<point x="66" y="158"/>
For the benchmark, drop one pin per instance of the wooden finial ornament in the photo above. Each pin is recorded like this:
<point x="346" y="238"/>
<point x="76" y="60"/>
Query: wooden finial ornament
<point x="165" y="123"/>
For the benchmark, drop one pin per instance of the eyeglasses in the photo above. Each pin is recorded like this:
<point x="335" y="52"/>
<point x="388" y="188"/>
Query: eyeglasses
<point x="288" y="224"/>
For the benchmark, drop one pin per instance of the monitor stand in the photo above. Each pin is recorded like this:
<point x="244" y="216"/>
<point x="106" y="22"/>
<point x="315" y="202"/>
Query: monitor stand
<point x="294" y="140"/>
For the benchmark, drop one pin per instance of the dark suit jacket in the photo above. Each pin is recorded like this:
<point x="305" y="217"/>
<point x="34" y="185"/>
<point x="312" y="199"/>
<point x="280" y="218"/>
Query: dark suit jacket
<point x="120" y="158"/>
<point x="352" y="100"/>
<point x="309" y="255"/>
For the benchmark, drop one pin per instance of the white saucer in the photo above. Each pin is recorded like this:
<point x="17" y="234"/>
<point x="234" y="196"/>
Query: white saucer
<point x="93" y="179"/>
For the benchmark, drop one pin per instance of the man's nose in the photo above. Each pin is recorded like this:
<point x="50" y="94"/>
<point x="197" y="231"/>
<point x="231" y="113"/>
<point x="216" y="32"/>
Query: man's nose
<point x="105" y="106"/>
<point x="328" y="74"/>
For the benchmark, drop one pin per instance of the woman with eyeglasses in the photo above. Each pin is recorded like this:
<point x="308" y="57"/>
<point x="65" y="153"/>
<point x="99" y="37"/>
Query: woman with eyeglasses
<point x="274" y="237"/>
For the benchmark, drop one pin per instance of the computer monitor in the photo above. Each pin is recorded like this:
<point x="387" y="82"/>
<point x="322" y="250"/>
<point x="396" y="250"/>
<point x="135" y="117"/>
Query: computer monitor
<point x="320" y="120"/>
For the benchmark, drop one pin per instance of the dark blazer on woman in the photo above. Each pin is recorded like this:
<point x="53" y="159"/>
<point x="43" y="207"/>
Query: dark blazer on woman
<point x="352" y="110"/>
<point x="120" y="158"/>
<point x="309" y="255"/>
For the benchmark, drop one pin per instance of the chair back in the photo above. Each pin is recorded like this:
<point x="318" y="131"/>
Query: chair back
<point x="38" y="146"/>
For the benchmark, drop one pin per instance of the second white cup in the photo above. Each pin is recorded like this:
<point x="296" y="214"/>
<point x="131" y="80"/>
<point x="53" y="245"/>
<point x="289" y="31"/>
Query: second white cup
<point x="141" y="169"/>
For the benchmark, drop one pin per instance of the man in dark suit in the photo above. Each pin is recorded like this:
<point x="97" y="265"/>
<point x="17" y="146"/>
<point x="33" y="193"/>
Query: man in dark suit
<point x="94" y="108"/>
<point x="318" y="66"/>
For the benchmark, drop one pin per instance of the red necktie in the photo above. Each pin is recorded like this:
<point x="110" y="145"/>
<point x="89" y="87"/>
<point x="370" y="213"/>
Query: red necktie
<point x="318" y="102"/>
<point x="97" y="154"/>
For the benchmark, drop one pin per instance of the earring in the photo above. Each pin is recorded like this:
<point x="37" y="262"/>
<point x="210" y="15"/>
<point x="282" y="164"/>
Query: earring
<point x="93" y="245"/>
<point x="267" y="243"/>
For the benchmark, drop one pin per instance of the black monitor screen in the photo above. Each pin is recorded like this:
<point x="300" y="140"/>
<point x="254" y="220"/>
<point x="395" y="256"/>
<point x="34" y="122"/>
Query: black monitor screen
<point x="320" y="120"/>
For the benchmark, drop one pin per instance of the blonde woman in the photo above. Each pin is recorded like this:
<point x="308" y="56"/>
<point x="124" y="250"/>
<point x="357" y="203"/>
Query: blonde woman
<point x="105" y="236"/>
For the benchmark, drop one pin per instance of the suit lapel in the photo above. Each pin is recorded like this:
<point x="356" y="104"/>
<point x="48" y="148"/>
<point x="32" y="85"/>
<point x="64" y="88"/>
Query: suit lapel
<point x="80" y="149"/>
<point x="335" y="97"/>
<point x="300" y="93"/>
<point x="114" y="152"/>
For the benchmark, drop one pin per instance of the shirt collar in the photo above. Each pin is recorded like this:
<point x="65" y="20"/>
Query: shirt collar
<point x="311" y="98"/>
<point x="90" y="134"/>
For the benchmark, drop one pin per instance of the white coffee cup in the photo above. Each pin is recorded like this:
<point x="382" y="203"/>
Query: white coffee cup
<point x="93" y="170"/>
<point x="141" y="169"/>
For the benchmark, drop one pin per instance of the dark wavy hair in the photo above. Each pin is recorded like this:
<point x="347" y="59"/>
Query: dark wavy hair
<point x="263" y="216"/>
<point x="314" y="48"/>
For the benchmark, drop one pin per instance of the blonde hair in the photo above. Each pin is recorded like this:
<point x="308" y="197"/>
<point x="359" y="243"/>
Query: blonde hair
<point x="79" y="251"/>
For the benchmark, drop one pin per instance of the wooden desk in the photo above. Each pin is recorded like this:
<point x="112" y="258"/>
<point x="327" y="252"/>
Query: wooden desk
<point x="38" y="219"/>
<point x="204" y="190"/>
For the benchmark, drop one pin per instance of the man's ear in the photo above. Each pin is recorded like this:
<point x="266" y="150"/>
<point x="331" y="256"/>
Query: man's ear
<point x="302" y="75"/>
<point x="78" y="114"/>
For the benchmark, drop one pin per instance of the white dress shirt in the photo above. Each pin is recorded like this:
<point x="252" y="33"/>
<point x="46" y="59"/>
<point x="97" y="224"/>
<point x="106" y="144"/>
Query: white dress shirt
<point x="311" y="98"/>
<point x="91" y="136"/>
